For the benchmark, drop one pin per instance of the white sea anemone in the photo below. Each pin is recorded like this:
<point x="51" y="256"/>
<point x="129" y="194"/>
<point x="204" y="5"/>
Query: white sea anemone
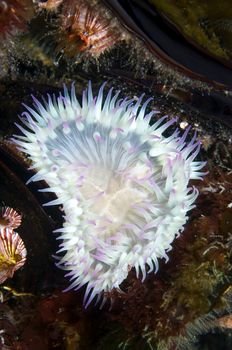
<point x="122" y="184"/>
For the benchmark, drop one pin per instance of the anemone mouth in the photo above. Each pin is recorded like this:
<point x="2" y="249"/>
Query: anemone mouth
<point x="4" y="222"/>
<point x="112" y="200"/>
<point x="110" y="172"/>
<point x="122" y="184"/>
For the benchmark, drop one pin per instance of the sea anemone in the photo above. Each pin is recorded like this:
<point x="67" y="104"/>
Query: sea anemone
<point x="49" y="5"/>
<point x="122" y="183"/>
<point x="12" y="253"/>
<point x="9" y="218"/>
<point x="87" y="27"/>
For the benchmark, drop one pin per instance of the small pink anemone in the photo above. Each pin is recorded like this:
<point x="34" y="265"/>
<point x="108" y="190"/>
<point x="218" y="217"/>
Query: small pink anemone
<point x="12" y="253"/>
<point x="9" y="218"/>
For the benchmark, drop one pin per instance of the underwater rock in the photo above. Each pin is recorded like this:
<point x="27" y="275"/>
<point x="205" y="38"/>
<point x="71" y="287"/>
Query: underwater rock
<point x="169" y="46"/>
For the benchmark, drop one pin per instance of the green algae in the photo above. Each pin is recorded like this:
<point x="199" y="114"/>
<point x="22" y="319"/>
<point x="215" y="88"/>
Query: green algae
<point x="204" y="23"/>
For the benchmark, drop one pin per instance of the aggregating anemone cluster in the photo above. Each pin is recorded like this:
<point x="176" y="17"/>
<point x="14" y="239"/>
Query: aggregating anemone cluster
<point x="122" y="184"/>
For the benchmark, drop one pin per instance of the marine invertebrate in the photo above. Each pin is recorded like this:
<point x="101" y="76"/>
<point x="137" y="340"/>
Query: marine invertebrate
<point x="87" y="27"/>
<point x="49" y="5"/>
<point x="122" y="183"/>
<point x="12" y="253"/>
<point x="9" y="218"/>
<point x="14" y="15"/>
